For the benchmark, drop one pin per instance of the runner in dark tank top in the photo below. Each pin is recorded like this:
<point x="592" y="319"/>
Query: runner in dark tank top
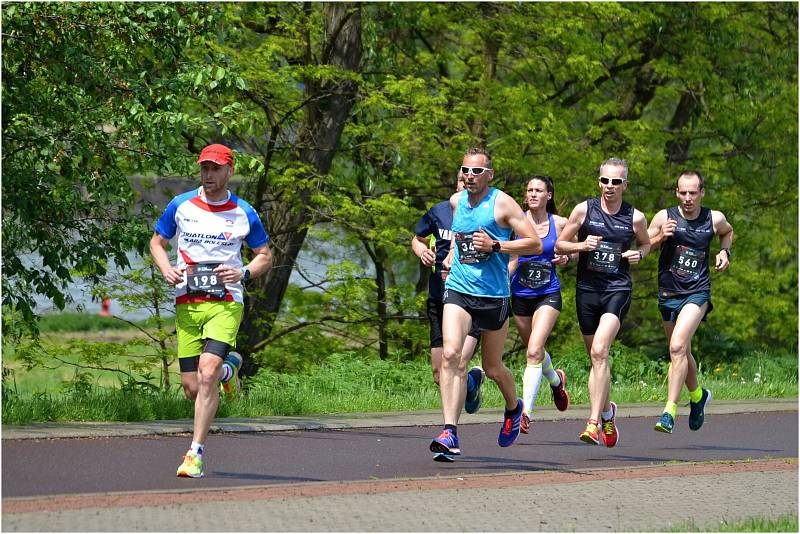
<point x="431" y="244"/>
<point x="605" y="227"/>
<point x="685" y="233"/>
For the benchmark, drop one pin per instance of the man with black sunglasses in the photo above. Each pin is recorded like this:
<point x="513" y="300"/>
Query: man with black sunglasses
<point x="685" y="233"/>
<point x="606" y="227"/>
<point x="477" y="292"/>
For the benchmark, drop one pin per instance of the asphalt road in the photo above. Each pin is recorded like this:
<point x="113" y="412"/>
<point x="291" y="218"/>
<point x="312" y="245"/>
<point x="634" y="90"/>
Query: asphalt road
<point x="123" y="464"/>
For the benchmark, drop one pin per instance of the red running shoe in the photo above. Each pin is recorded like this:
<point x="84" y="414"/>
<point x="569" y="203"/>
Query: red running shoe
<point x="525" y="424"/>
<point x="560" y="395"/>
<point x="610" y="432"/>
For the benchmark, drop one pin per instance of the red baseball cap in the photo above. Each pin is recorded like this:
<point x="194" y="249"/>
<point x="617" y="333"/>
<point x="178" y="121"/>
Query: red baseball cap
<point x="219" y="154"/>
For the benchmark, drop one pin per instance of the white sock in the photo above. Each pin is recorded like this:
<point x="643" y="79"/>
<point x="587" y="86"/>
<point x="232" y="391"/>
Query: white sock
<point x="197" y="448"/>
<point x="607" y="415"/>
<point x="549" y="372"/>
<point x="530" y="386"/>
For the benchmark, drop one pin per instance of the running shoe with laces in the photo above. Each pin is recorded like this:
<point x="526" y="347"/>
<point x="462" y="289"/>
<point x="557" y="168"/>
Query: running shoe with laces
<point x="525" y="424"/>
<point x="472" y="403"/>
<point x="591" y="433"/>
<point x="560" y="395"/>
<point x="192" y="466"/>
<point x="445" y="446"/>
<point x="665" y="424"/>
<point x="232" y="387"/>
<point x="609" y="431"/>
<point x="697" y="410"/>
<point x="510" y="429"/>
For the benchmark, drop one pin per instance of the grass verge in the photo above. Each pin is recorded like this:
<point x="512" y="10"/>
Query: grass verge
<point x="347" y="383"/>
<point x="783" y="523"/>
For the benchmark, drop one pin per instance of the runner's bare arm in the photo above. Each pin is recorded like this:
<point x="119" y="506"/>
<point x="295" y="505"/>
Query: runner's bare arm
<point x="635" y="255"/>
<point x="158" y="250"/>
<point x="661" y="228"/>
<point x="510" y="214"/>
<point x="563" y="259"/>
<point x="567" y="243"/>
<point x="420" y="247"/>
<point x="725" y="231"/>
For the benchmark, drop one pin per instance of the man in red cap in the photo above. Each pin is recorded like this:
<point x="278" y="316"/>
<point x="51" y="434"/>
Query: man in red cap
<point x="210" y="224"/>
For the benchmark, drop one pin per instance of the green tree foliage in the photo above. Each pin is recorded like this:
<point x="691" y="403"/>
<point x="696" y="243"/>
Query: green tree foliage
<point x="351" y="120"/>
<point x="87" y="88"/>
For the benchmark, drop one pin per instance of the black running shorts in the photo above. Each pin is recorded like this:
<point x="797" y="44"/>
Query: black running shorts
<point x="488" y="313"/>
<point x="591" y="305"/>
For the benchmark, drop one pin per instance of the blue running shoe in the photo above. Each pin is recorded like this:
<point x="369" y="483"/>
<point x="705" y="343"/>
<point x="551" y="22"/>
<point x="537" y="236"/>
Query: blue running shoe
<point x="446" y="444"/>
<point x="665" y="424"/>
<point x="472" y="403"/>
<point x="697" y="410"/>
<point x="442" y="457"/>
<point x="510" y="430"/>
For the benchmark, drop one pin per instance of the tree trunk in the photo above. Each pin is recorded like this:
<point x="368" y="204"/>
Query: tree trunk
<point x="325" y="115"/>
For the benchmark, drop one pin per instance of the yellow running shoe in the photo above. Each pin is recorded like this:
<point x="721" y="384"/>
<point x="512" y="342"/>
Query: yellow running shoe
<point x="590" y="434"/>
<point x="192" y="466"/>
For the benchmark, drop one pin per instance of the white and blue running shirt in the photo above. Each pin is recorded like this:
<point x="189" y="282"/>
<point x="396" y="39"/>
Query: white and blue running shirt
<point x="211" y="232"/>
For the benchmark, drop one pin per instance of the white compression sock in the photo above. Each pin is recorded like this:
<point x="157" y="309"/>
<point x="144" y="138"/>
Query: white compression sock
<point x="549" y="372"/>
<point x="530" y="386"/>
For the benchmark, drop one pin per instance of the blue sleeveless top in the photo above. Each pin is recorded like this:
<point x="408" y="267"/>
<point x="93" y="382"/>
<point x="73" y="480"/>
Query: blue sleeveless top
<point x="536" y="275"/>
<point x="480" y="274"/>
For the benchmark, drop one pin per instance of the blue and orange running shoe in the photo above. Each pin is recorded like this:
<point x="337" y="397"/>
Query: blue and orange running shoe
<point x="510" y="429"/>
<point x="233" y="385"/>
<point x="445" y="446"/>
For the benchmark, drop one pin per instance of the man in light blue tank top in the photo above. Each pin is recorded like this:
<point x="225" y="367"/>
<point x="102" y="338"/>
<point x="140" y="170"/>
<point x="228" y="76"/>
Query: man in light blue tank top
<point x="477" y="291"/>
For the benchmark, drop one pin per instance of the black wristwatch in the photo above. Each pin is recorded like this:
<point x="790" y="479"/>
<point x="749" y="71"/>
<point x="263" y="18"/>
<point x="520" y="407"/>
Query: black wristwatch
<point x="727" y="251"/>
<point x="245" y="274"/>
<point x="495" y="246"/>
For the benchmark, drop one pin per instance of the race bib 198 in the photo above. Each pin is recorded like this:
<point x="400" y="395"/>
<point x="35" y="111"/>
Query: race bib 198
<point x="605" y="258"/>
<point x="687" y="262"/>
<point x="534" y="274"/>
<point x="466" y="250"/>
<point x="201" y="278"/>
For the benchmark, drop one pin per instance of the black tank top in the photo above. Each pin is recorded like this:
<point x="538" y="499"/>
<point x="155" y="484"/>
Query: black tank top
<point x="683" y="262"/>
<point x="604" y="269"/>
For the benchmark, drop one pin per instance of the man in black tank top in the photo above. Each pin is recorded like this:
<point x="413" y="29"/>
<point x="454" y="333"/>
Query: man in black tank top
<point x="606" y="227"/>
<point x="436" y="223"/>
<point x="685" y="233"/>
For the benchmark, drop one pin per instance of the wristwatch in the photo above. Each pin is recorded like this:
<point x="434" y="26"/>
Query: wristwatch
<point x="245" y="274"/>
<point x="727" y="251"/>
<point x="495" y="246"/>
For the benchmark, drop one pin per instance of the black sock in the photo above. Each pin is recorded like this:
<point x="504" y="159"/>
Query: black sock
<point x="451" y="428"/>
<point x="515" y="411"/>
